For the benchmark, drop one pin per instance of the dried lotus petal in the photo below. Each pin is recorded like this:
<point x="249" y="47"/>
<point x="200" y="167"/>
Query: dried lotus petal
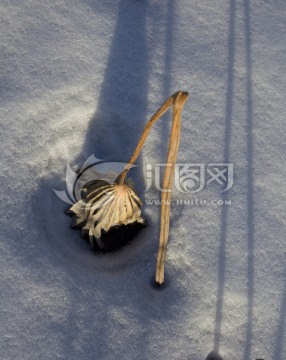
<point x="105" y="207"/>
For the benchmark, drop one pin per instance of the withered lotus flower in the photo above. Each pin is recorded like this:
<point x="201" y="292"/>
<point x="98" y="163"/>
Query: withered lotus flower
<point x="106" y="209"/>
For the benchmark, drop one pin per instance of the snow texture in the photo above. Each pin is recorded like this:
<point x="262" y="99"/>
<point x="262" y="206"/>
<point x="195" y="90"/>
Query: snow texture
<point x="83" y="76"/>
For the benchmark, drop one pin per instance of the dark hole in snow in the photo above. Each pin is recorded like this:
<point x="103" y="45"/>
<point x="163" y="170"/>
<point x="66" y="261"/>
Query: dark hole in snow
<point x="214" y="356"/>
<point x="117" y="237"/>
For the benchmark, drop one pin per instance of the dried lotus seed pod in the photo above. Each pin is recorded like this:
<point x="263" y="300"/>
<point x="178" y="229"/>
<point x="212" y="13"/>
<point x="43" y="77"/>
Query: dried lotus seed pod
<point x="108" y="214"/>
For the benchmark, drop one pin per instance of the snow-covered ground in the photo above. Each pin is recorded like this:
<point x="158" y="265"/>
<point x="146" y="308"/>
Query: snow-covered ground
<point x="83" y="76"/>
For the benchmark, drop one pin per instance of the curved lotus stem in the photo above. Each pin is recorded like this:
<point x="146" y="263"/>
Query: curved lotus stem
<point x="177" y="100"/>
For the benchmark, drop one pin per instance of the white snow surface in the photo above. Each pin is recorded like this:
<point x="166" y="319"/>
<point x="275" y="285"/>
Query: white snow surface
<point x="83" y="76"/>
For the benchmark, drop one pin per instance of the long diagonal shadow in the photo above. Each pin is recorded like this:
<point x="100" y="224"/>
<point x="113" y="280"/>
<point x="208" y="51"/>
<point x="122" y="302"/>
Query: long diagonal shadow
<point x="166" y="124"/>
<point x="227" y="142"/>
<point x="250" y="187"/>
<point x="121" y="112"/>
<point x="122" y="107"/>
<point x="169" y="40"/>
<point x="169" y="43"/>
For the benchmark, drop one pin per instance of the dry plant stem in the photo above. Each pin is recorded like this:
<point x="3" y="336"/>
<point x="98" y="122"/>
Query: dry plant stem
<point x="163" y="109"/>
<point x="167" y="185"/>
<point x="177" y="100"/>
